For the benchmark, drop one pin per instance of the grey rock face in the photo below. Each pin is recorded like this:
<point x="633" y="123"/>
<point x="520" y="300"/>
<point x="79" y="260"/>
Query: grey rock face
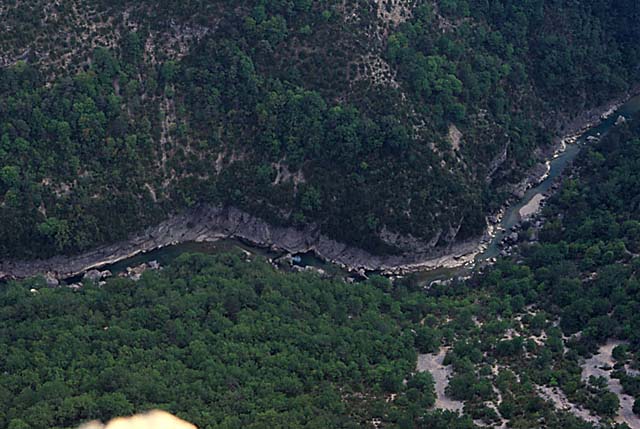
<point x="210" y="223"/>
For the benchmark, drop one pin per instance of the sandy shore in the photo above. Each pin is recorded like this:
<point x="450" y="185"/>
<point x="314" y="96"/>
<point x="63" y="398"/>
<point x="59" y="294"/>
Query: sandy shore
<point x="532" y="207"/>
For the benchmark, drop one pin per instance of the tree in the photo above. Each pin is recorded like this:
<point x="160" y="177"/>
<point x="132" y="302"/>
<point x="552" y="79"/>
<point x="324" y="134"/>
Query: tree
<point x="427" y="339"/>
<point x="18" y="424"/>
<point x="608" y="404"/>
<point x="56" y="231"/>
<point x="423" y="382"/>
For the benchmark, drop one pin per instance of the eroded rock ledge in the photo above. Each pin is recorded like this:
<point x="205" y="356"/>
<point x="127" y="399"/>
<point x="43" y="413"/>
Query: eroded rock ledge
<point x="210" y="223"/>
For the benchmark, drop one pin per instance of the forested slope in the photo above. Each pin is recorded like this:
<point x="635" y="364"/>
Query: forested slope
<point x="227" y="341"/>
<point x="571" y="292"/>
<point x="373" y="120"/>
<point x="223" y="341"/>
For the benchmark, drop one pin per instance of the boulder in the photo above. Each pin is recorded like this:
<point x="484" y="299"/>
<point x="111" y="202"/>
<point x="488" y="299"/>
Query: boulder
<point x="135" y="273"/>
<point x="316" y="270"/>
<point x="92" y="276"/>
<point x="621" y="120"/>
<point x="51" y="280"/>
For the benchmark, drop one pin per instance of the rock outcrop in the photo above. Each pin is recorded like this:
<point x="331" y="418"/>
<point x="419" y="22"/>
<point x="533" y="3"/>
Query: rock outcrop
<point x="211" y="223"/>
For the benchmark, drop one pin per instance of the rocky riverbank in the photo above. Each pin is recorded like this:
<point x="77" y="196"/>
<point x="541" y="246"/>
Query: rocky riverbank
<point x="210" y="223"/>
<point x="577" y="125"/>
<point x="568" y="129"/>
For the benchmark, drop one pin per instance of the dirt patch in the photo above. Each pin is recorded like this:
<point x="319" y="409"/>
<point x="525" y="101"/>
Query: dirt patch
<point x="283" y="175"/>
<point x="455" y="137"/>
<point x="373" y="68"/>
<point x="433" y="363"/>
<point x="394" y="12"/>
<point x="561" y="402"/>
<point x="597" y="366"/>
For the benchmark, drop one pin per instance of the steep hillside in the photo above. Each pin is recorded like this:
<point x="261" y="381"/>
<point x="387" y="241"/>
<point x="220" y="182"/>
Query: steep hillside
<point x="227" y="341"/>
<point x="391" y="125"/>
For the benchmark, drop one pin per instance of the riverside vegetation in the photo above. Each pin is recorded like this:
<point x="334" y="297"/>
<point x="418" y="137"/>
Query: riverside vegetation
<point x="372" y="120"/>
<point x="376" y="121"/>
<point x="226" y="341"/>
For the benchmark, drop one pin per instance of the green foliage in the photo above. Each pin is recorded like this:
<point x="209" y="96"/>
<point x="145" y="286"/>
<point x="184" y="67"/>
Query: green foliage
<point x="583" y="273"/>
<point x="228" y="342"/>
<point x="608" y="405"/>
<point x="427" y="339"/>
<point x="271" y="111"/>
<point x="71" y="158"/>
<point x="214" y="339"/>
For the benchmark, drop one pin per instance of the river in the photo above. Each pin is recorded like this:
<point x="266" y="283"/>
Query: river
<point x="158" y="250"/>
<point x="556" y="167"/>
<point x="512" y="216"/>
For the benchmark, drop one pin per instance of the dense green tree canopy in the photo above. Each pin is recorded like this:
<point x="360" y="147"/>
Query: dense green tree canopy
<point x="300" y="112"/>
